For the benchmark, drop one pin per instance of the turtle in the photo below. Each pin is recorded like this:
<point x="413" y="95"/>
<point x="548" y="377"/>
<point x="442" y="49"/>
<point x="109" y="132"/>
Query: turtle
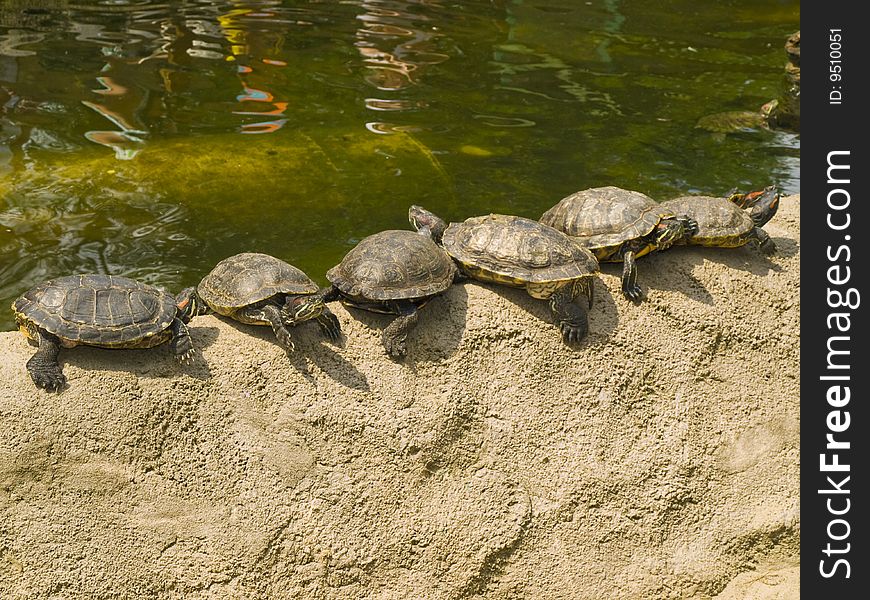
<point x="618" y="225"/>
<point x="723" y="223"/>
<point x="259" y="289"/>
<point x="392" y="272"/>
<point x="783" y="112"/>
<point x="523" y="253"/>
<point x="107" y="311"/>
<point x="734" y="121"/>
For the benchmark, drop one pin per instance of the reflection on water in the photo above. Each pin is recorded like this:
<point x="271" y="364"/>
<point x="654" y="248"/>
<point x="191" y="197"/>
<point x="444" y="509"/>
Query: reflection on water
<point x="254" y="46"/>
<point x="397" y="41"/>
<point x="152" y="139"/>
<point x="41" y="240"/>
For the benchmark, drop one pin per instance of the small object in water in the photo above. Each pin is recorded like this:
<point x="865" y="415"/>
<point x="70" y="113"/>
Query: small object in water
<point x="737" y="120"/>
<point x="475" y="150"/>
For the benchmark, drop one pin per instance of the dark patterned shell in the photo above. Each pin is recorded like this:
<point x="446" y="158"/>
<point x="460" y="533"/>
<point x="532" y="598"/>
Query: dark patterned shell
<point x="605" y="216"/>
<point x="718" y="218"/>
<point x="97" y="309"/>
<point x="519" y="249"/>
<point x="394" y="265"/>
<point x="247" y="278"/>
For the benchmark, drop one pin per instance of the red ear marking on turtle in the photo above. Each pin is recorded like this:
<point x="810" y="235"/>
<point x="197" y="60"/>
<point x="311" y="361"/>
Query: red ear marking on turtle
<point x="183" y="304"/>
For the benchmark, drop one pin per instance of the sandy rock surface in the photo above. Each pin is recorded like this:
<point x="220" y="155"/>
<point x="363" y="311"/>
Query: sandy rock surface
<point x="659" y="459"/>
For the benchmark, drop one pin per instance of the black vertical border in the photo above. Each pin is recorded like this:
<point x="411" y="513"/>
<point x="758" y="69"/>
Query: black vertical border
<point x="827" y="127"/>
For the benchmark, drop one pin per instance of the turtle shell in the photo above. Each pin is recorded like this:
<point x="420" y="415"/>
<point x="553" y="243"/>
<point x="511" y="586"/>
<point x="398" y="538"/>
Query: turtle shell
<point x="250" y="277"/>
<point x="606" y="216"/>
<point x="97" y="310"/>
<point x="517" y="250"/>
<point x="733" y="121"/>
<point x="393" y="265"/>
<point x="720" y="221"/>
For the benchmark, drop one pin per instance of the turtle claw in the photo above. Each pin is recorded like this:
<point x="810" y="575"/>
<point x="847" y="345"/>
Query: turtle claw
<point x="282" y="334"/>
<point x="187" y="357"/>
<point x="396" y="347"/>
<point x="181" y="344"/>
<point x="765" y="242"/>
<point x="285" y="341"/>
<point x="289" y="347"/>
<point x="572" y="333"/>
<point x="49" y="379"/>
<point x="633" y="292"/>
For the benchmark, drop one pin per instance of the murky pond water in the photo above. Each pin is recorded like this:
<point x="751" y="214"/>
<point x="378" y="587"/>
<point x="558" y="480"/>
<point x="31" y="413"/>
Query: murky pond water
<point x="152" y="139"/>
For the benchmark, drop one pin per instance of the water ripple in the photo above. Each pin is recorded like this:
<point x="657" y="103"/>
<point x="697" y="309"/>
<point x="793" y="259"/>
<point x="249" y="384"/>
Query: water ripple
<point x="498" y="121"/>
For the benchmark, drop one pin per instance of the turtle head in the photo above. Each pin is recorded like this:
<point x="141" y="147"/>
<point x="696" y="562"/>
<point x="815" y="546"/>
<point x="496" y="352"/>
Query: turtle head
<point x="426" y="222"/>
<point x="301" y="308"/>
<point x="764" y="205"/>
<point x="768" y="108"/>
<point x="29" y="329"/>
<point x="190" y="305"/>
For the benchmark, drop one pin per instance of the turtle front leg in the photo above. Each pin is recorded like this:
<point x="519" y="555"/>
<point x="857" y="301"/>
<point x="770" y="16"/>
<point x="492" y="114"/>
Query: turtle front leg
<point x="630" y="287"/>
<point x="690" y="228"/>
<point x="181" y="343"/>
<point x="586" y="286"/>
<point x="396" y="334"/>
<point x="570" y="317"/>
<point x="271" y="314"/>
<point x="301" y="308"/>
<point x="329" y="324"/>
<point x="765" y="243"/>
<point x="43" y="366"/>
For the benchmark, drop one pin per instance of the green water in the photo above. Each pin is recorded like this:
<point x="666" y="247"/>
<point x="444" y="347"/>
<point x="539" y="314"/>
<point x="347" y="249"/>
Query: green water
<point x="154" y="138"/>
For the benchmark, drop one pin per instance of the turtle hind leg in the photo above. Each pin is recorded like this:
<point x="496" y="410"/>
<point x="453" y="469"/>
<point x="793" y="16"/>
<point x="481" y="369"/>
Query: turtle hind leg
<point x="329" y="324"/>
<point x="396" y="334"/>
<point x="571" y="318"/>
<point x="630" y="287"/>
<point x="181" y="343"/>
<point x="43" y="367"/>
<point x="765" y="243"/>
